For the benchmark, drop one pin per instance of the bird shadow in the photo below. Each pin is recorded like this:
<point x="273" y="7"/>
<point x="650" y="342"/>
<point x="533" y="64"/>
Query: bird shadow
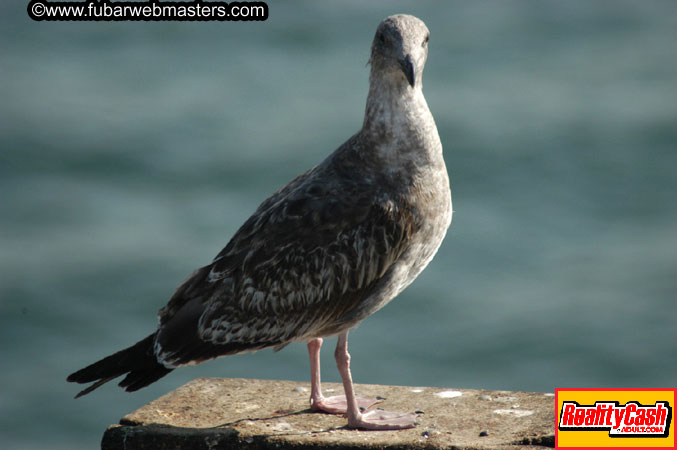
<point x="280" y="415"/>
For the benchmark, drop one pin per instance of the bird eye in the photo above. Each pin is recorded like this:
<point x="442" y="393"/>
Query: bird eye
<point x="425" y="41"/>
<point x="381" y="38"/>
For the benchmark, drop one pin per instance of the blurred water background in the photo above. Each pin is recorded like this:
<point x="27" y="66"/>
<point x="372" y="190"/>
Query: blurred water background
<point x="130" y="153"/>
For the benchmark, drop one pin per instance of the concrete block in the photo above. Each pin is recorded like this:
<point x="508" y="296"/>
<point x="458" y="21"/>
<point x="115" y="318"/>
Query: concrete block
<point x="214" y="413"/>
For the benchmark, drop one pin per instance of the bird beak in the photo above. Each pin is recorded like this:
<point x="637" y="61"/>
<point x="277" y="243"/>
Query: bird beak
<point x="407" y="65"/>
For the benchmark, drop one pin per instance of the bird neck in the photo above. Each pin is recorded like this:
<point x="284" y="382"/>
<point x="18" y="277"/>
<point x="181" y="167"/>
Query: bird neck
<point x="398" y="123"/>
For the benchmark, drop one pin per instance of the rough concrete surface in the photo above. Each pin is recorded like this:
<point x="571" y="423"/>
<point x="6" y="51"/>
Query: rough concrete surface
<point x="213" y="413"/>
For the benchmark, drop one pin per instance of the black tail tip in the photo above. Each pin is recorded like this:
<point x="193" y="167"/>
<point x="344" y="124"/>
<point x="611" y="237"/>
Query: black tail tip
<point x="138" y="362"/>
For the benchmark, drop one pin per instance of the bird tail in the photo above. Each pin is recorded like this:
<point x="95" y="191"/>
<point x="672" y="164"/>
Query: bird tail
<point x="138" y="362"/>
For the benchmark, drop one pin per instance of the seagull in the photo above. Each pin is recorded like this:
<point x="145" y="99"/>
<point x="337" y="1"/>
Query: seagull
<point x="321" y="254"/>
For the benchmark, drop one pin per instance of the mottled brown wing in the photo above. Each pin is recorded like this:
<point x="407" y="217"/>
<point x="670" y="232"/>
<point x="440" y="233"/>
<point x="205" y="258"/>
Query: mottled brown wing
<point x="299" y="266"/>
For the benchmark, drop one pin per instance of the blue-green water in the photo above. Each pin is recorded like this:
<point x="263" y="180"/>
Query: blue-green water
<point x="130" y="152"/>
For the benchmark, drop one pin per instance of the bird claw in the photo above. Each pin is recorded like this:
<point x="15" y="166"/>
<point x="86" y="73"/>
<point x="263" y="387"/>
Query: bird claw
<point x="383" y="420"/>
<point x="337" y="404"/>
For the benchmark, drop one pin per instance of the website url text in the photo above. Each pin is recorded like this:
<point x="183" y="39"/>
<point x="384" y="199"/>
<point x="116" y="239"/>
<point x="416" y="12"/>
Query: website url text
<point x="152" y="10"/>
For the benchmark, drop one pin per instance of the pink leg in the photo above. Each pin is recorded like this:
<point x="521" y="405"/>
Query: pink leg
<point x="372" y="420"/>
<point x="333" y="405"/>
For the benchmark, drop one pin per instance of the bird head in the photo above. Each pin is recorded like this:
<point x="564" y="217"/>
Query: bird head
<point x="400" y="49"/>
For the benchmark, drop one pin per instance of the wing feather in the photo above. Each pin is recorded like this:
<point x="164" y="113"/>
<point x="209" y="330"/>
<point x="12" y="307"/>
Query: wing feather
<point x="300" y="266"/>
